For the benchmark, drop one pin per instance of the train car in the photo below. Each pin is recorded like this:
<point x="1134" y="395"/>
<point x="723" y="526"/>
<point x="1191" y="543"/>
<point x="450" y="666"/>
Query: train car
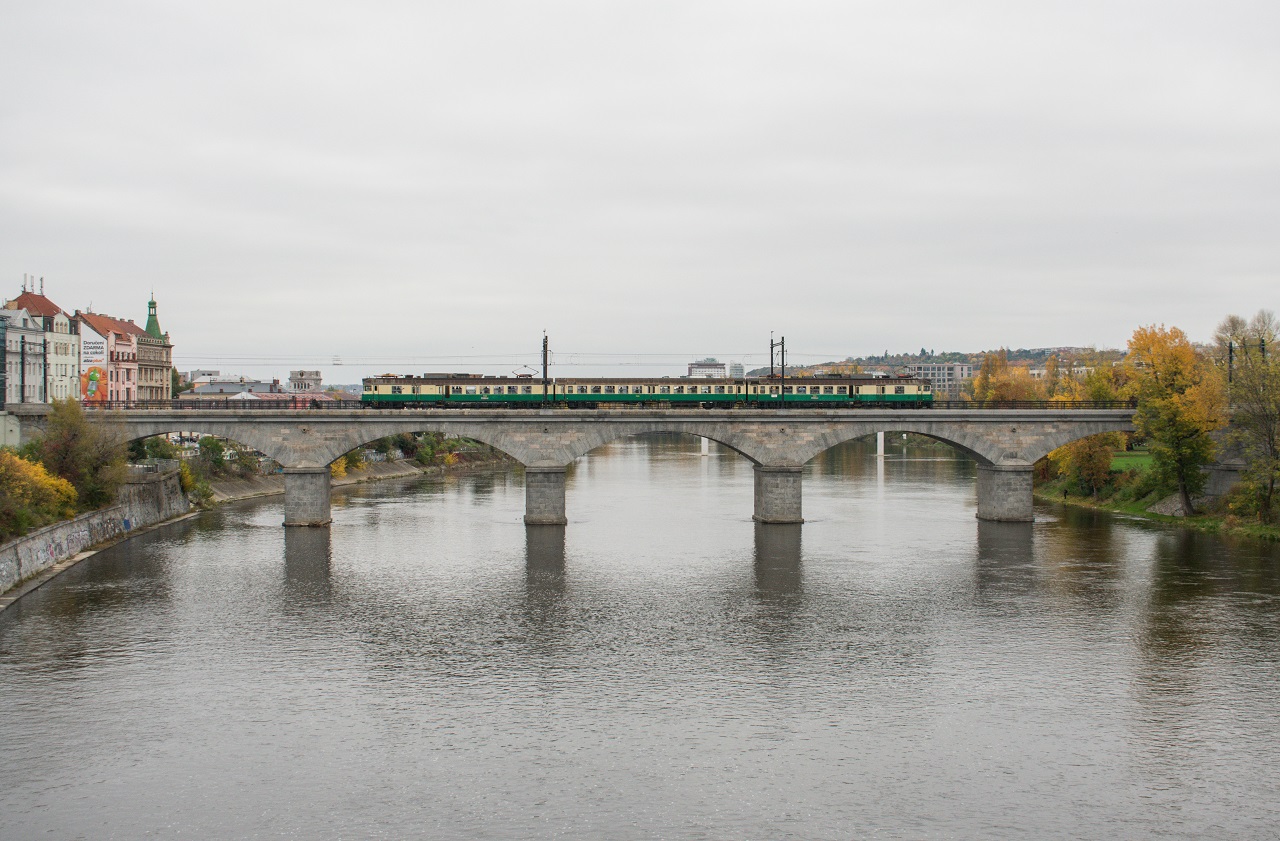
<point x="463" y="390"/>
<point x="390" y="390"/>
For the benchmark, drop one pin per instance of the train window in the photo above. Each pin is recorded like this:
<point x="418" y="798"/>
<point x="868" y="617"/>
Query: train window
<point x="595" y="389"/>
<point x="664" y="389"/>
<point x="582" y="389"/>
<point x="397" y="389"/>
<point x="755" y="389"/>
<point x="879" y="389"/>
<point x="679" y="389"/>
<point x="417" y="389"/>
<point x="706" y="389"/>
<point x="826" y="389"/>
<point x="526" y="389"/>
<point x="787" y="389"/>
<point x="899" y="389"/>
<point x="800" y="389"/>
<point x="608" y="389"/>
<point x="719" y="389"/>
<point x="511" y="389"/>
<point x="471" y="389"/>
<point x="457" y="389"/>
<point x="484" y="389"/>
<point x="840" y="389"/>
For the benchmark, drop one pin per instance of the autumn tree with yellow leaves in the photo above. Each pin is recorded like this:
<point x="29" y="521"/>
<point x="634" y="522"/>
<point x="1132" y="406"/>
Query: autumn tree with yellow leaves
<point x="997" y="380"/>
<point x="30" y="497"/>
<point x="1180" y="402"/>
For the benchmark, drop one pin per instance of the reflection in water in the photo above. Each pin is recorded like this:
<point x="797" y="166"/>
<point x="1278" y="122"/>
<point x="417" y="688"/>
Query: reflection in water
<point x="1006" y="556"/>
<point x="308" y="556"/>
<point x="429" y="666"/>
<point x="544" y="565"/>
<point x="544" y="553"/>
<point x="777" y="559"/>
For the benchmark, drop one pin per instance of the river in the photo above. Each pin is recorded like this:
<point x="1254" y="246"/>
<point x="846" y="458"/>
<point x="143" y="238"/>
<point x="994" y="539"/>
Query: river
<point x="661" y="668"/>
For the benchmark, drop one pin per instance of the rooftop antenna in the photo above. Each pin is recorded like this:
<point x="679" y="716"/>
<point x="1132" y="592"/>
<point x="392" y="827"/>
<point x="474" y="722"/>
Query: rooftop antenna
<point x="41" y="284"/>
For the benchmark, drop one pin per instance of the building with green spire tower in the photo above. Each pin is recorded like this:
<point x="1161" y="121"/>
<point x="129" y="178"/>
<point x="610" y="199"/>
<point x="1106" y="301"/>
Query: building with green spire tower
<point x="155" y="359"/>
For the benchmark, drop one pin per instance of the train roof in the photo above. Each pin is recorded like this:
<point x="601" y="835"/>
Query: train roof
<point x="524" y="379"/>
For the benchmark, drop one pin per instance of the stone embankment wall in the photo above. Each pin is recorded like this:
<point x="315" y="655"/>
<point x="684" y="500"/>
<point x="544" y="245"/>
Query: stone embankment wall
<point x="145" y="499"/>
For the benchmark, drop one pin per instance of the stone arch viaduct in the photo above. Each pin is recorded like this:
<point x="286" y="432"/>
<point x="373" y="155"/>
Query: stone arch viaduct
<point x="1006" y="443"/>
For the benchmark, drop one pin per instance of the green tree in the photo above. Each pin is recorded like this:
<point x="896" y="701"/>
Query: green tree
<point x="1248" y="351"/>
<point x="90" y="456"/>
<point x="245" y="461"/>
<point x="161" y="447"/>
<point x="1180" y="402"/>
<point x="406" y="444"/>
<point x="213" y="455"/>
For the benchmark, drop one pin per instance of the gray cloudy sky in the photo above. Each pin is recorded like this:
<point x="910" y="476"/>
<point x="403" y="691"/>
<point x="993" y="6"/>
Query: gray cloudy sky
<point x="393" y="183"/>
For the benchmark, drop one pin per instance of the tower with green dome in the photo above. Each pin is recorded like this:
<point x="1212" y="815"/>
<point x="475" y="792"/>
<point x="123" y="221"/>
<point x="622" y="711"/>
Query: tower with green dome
<point x="155" y="358"/>
<point x="153" y="323"/>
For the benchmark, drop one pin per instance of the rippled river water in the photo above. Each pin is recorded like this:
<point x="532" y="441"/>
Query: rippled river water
<point x="661" y="668"/>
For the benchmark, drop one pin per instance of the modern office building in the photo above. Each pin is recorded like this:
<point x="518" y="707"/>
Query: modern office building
<point x="946" y="377"/>
<point x="707" y="368"/>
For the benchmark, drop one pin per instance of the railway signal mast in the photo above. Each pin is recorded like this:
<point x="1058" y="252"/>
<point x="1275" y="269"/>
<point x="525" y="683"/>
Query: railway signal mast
<point x="782" y="345"/>
<point x="545" y="379"/>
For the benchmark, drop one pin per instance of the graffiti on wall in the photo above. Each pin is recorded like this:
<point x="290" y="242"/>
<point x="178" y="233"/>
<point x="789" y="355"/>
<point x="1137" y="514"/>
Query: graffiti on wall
<point x="62" y="543"/>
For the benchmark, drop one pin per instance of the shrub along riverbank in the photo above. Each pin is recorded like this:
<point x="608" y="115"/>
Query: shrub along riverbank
<point x="402" y="456"/>
<point x="1131" y="486"/>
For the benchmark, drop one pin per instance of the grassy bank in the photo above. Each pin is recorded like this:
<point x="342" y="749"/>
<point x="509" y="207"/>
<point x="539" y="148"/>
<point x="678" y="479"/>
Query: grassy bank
<point x="1132" y="489"/>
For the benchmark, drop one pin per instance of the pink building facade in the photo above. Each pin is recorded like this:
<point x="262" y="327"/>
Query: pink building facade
<point x="108" y="358"/>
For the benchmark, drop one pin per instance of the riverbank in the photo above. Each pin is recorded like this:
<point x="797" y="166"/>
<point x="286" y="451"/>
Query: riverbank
<point x="231" y="490"/>
<point x="1209" y="522"/>
<point x="146" y="500"/>
<point x="26" y="564"/>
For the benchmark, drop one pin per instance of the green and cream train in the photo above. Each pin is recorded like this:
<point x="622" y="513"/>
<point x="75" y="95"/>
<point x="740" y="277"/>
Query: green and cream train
<point x="474" y="390"/>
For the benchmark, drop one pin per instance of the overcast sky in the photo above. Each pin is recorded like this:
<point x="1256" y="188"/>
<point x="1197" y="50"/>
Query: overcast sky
<point x="428" y="186"/>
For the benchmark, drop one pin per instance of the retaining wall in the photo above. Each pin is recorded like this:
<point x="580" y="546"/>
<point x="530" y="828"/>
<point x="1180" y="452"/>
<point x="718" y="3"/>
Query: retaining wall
<point x="143" y="501"/>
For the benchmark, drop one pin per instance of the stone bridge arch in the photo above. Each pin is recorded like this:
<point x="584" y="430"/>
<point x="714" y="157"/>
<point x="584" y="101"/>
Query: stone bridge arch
<point x="1004" y="443"/>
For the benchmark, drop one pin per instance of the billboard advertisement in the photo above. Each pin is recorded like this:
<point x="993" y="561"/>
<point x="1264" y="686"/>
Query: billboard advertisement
<point x="93" y="366"/>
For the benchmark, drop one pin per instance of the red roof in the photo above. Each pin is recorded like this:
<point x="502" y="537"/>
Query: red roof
<point x="37" y="305"/>
<point x="103" y="324"/>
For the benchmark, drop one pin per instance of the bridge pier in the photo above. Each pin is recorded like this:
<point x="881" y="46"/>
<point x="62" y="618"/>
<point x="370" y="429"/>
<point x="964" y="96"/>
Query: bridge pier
<point x="306" y="496"/>
<point x="1004" y="493"/>
<point x="778" y="494"/>
<point x="544" y="496"/>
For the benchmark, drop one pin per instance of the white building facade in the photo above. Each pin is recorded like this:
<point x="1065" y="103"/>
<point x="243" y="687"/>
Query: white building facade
<point x="947" y="377"/>
<point x="56" y="355"/>
<point x="24" y="358"/>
